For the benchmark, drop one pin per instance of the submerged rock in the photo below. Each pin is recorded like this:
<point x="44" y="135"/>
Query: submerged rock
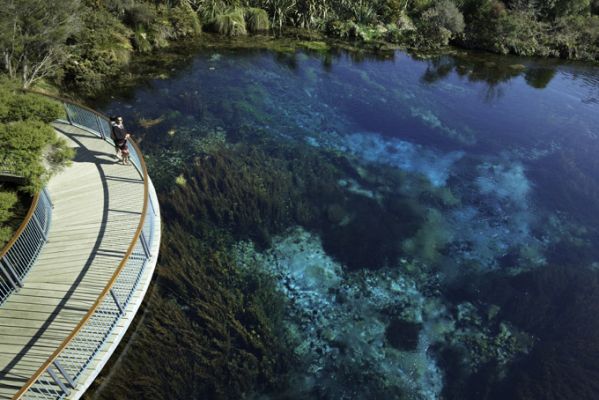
<point x="342" y="325"/>
<point x="403" y="335"/>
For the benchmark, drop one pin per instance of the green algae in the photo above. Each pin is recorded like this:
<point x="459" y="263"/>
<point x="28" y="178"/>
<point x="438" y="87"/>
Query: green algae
<point x="319" y="47"/>
<point x="431" y="238"/>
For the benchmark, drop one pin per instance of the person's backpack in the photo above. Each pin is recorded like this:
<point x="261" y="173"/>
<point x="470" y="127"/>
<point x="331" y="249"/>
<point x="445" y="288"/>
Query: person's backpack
<point x="112" y="124"/>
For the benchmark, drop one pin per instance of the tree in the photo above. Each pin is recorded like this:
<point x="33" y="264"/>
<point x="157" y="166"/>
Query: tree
<point x="441" y="23"/>
<point x="33" y="36"/>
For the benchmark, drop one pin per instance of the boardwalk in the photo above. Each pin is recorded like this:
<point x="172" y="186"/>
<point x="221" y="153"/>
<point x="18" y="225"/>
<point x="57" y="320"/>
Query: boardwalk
<point x="97" y="207"/>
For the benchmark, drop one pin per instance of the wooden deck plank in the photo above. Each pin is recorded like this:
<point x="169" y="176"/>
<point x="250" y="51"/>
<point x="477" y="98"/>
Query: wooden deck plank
<point x="97" y="206"/>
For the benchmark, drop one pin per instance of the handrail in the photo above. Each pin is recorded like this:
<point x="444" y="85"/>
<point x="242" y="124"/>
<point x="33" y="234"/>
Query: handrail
<point x="138" y="232"/>
<point x="69" y="101"/>
<point x="19" y="254"/>
<point x="21" y="228"/>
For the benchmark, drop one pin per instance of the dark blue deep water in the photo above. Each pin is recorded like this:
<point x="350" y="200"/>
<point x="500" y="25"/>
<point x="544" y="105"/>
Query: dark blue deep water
<point x="487" y="288"/>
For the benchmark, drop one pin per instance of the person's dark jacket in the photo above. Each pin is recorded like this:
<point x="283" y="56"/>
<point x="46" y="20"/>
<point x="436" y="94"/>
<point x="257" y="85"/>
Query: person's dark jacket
<point x="118" y="133"/>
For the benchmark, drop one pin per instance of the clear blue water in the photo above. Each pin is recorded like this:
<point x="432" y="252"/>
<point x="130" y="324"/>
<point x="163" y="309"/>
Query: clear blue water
<point x="495" y="293"/>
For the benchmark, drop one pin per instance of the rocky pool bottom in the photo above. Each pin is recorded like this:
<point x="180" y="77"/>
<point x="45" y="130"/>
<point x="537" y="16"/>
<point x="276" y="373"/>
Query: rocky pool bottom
<point x="375" y="334"/>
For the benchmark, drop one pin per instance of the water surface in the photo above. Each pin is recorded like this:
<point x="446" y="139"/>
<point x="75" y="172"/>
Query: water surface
<point x="453" y="248"/>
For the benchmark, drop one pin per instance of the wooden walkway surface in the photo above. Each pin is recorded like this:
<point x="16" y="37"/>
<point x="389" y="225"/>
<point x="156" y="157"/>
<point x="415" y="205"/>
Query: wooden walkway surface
<point x="97" y="207"/>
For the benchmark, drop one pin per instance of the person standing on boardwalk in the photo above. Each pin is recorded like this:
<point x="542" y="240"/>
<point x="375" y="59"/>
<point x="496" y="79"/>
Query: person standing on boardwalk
<point x="120" y="137"/>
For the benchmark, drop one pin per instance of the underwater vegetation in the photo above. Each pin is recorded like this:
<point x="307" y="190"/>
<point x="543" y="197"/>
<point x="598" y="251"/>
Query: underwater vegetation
<point x="210" y="331"/>
<point x="253" y="191"/>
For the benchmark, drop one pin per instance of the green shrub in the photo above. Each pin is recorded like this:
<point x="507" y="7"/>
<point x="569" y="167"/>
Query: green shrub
<point x="140" y="14"/>
<point x="363" y="12"/>
<point x="99" y="52"/>
<point x="577" y="37"/>
<point x="520" y="33"/>
<point x="8" y="201"/>
<point x="231" y="23"/>
<point x="341" y="29"/>
<point x="185" y="21"/>
<point x="141" y="40"/>
<point x="30" y="106"/>
<point x="562" y="8"/>
<point x="27" y="141"/>
<point x="30" y="136"/>
<point x="117" y="7"/>
<point x="17" y="106"/>
<point x="257" y="20"/>
<point x="28" y="145"/>
<point x="391" y="11"/>
<point x="441" y="23"/>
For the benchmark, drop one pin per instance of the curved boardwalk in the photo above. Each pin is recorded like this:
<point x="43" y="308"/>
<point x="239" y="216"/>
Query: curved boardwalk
<point x="97" y="207"/>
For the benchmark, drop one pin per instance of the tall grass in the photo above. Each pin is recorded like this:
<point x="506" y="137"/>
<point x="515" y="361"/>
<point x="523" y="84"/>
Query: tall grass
<point x="257" y="20"/>
<point x="231" y="23"/>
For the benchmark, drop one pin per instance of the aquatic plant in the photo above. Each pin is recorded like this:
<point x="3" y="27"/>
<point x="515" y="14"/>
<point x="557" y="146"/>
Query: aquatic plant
<point x="339" y="321"/>
<point x="404" y="155"/>
<point x="430" y="240"/>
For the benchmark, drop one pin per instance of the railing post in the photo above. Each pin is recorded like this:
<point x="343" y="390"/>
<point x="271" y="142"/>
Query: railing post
<point x="100" y="130"/>
<point x="13" y="271"/>
<point x="47" y="196"/>
<point x="58" y="381"/>
<point x="66" y="108"/>
<point x="40" y="227"/>
<point x="152" y="206"/>
<point x="6" y="273"/>
<point x="144" y="245"/>
<point x="64" y="373"/>
<point x="116" y="301"/>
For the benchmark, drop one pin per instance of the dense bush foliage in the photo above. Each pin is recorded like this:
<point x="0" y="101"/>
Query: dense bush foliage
<point x="94" y="39"/>
<point x="28" y="144"/>
<point x="30" y="147"/>
<point x="8" y="202"/>
<point x="568" y="29"/>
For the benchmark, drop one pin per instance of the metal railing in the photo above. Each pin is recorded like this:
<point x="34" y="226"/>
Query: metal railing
<point x="61" y="372"/>
<point x="21" y="252"/>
